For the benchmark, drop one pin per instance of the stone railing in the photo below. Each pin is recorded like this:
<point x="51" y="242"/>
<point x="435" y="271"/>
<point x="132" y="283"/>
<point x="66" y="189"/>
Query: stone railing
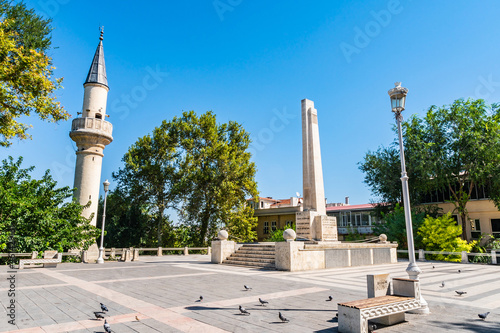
<point x="95" y="125"/>
<point x="113" y="252"/>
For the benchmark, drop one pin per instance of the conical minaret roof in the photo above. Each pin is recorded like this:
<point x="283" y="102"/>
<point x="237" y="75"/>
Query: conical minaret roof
<point x="97" y="71"/>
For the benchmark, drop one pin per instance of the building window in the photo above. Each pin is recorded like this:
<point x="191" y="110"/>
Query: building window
<point x="266" y="227"/>
<point x="495" y="227"/>
<point x="365" y="219"/>
<point x="358" y="219"/>
<point x="476" y="229"/>
<point x="289" y="224"/>
<point x="98" y="116"/>
<point x="262" y="204"/>
<point x="273" y="226"/>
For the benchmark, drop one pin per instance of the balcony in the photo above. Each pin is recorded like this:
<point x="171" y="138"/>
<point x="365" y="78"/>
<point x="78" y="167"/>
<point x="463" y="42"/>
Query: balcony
<point x="83" y="127"/>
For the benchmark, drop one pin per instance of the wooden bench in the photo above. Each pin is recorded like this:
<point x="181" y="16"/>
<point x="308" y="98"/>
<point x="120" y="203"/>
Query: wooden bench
<point x="388" y="309"/>
<point x="50" y="259"/>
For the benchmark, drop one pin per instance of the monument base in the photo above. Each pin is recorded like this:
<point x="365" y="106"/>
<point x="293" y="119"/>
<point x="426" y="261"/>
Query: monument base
<point x="311" y="225"/>
<point x="301" y="256"/>
<point x="92" y="253"/>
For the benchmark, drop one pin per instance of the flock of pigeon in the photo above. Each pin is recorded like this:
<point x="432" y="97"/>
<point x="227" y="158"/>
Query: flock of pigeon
<point x="460" y="293"/>
<point x="262" y="302"/>
<point x="100" y="314"/>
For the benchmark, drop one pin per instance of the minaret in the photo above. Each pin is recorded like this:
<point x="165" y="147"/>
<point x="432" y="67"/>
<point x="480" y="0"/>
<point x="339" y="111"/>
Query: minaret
<point x="92" y="133"/>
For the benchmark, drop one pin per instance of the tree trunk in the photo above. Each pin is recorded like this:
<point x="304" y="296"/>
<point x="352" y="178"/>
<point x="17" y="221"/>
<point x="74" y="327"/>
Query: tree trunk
<point x="463" y="217"/>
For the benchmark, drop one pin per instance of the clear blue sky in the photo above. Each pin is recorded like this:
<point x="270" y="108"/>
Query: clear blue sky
<point x="254" y="61"/>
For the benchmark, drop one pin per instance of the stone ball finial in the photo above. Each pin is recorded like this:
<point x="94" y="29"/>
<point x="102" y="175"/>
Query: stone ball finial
<point x="382" y="238"/>
<point x="223" y="235"/>
<point x="289" y="235"/>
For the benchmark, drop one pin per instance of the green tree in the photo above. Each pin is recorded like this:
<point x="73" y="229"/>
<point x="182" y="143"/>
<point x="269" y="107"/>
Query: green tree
<point x="242" y="225"/>
<point x="37" y="214"/>
<point x="394" y="227"/>
<point x="452" y="149"/>
<point x="27" y="84"/>
<point x="442" y="234"/>
<point x="127" y="223"/>
<point x="196" y="166"/>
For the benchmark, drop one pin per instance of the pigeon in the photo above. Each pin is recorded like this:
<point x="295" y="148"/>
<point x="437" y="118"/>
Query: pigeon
<point x="247" y="287"/>
<point x="433" y="266"/>
<point x="99" y="315"/>
<point x="104" y="307"/>
<point x="201" y="298"/>
<point x="483" y="315"/>
<point x="442" y="284"/>
<point x="107" y="328"/>
<point x="459" y="271"/>
<point x="330" y="298"/>
<point x="137" y="318"/>
<point x="244" y="311"/>
<point x="460" y="293"/>
<point x="283" y="319"/>
<point x="372" y="327"/>
<point x="263" y="302"/>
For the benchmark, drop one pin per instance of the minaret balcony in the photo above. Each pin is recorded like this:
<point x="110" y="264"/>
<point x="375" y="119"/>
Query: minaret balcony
<point x="92" y="127"/>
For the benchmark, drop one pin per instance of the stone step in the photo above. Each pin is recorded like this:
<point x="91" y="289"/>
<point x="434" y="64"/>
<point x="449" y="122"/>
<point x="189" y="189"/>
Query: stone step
<point x="243" y="255"/>
<point x="253" y="255"/>
<point x="263" y="246"/>
<point x="267" y="253"/>
<point x="249" y="259"/>
<point x="269" y="249"/>
<point x="249" y="264"/>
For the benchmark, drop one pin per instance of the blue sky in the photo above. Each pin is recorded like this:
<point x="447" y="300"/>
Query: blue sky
<point x="253" y="62"/>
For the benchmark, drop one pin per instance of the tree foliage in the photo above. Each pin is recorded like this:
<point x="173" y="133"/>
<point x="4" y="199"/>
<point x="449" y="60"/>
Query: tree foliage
<point x="394" y="227"/>
<point x="37" y="214"/>
<point x="453" y="148"/>
<point x="127" y="224"/>
<point x="443" y="234"/>
<point x="196" y="166"/>
<point x="27" y="84"/>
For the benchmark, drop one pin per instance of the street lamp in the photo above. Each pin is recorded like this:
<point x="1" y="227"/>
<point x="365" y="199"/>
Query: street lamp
<point x="100" y="260"/>
<point x="398" y="100"/>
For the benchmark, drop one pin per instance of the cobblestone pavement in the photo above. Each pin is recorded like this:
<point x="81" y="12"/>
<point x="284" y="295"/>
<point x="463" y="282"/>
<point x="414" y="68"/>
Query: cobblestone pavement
<point x="163" y="293"/>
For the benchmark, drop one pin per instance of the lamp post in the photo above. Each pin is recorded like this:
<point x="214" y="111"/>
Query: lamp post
<point x="398" y="100"/>
<point x="100" y="260"/>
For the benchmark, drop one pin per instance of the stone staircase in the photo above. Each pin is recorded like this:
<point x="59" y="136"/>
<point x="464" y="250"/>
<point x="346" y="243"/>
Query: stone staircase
<point x="253" y="255"/>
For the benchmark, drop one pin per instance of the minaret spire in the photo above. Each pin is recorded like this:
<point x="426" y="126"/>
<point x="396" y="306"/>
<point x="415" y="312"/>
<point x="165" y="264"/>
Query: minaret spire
<point x="97" y="71"/>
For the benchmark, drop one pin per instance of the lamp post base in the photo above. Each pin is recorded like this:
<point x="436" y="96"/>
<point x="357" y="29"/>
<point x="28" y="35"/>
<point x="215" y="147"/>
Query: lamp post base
<point x="413" y="272"/>
<point x="100" y="260"/>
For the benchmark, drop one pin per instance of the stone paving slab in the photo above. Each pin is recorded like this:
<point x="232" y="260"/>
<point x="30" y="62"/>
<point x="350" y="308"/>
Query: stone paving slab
<point x="163" y="292"/>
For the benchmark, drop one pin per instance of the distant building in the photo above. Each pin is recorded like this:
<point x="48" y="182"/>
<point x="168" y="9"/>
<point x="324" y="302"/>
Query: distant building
<point x="273" y="214"/>
<point x="353" y="218"/>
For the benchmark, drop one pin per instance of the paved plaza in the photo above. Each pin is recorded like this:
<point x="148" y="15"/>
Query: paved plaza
<point x="163" y="293"/>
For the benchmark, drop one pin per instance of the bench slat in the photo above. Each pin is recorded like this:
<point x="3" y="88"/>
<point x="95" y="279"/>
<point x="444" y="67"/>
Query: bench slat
<point x="375" y="301"/>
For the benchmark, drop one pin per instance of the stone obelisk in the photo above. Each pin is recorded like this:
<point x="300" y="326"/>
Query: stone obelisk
<point x="313" y="223"/>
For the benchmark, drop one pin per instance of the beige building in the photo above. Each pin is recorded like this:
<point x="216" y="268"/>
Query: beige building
<point x="273" y="214"/>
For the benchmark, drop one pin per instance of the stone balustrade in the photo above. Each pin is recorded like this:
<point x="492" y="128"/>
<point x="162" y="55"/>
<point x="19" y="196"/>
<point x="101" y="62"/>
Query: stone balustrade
<point x="93" y="126"/>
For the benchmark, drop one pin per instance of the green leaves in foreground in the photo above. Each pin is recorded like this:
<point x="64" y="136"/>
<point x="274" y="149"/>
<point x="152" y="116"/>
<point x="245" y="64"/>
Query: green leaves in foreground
<point x="37" y="214"/>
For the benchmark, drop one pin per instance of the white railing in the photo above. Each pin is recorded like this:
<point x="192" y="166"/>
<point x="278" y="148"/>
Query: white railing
<point x="463" y="254"/>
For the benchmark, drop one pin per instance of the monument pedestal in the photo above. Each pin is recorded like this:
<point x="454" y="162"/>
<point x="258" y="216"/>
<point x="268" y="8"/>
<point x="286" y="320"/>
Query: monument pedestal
<point x="313" y="226"/>
<point x="92" y="254"/>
